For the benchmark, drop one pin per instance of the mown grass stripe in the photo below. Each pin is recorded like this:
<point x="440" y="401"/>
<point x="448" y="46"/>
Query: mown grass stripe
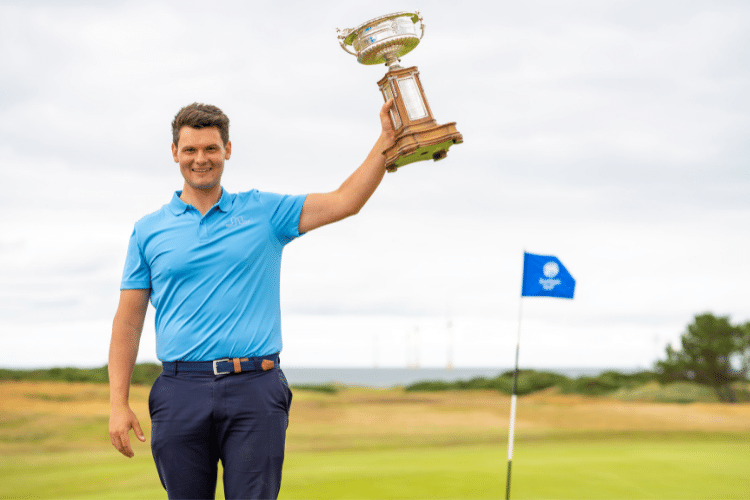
<point x="610" y="469"/>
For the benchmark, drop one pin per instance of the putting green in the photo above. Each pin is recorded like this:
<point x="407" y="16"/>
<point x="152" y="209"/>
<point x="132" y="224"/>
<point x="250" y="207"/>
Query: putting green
<point x="610" y="469"/>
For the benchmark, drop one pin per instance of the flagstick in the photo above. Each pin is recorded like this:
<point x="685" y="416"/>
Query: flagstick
<point x="512" y="428"/>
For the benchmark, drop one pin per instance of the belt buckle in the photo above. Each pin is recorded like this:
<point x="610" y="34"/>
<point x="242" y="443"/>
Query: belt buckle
<point x="219" y="361"/>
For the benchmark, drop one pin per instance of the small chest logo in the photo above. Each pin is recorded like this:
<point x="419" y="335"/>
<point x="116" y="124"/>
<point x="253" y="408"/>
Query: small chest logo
<point x="237" y="221"/>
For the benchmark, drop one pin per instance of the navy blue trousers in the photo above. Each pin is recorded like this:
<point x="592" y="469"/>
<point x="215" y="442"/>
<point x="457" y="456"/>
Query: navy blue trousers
<point x="200" y="418"/>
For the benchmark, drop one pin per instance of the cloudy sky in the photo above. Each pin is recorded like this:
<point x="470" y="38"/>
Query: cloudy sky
<point x="611" y="134"/>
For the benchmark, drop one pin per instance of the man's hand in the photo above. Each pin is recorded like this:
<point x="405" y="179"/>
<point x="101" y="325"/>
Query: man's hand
<point x="385" y="121"/>
<point x="121" y="420"/>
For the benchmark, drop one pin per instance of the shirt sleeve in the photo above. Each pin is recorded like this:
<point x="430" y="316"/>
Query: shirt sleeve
<point x="284" y="212"/>
<point x="137" y="273"/>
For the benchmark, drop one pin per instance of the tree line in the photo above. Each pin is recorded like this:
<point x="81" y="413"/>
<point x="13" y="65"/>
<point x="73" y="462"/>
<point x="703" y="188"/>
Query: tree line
<point x="713" y="352"/>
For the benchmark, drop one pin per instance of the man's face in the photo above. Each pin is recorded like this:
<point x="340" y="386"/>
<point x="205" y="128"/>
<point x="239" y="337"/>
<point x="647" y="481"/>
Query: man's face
<point x="201" y="154"/>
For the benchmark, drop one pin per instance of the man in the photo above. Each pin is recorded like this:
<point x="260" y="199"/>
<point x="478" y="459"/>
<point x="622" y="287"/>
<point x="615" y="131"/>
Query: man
<point x="209" y="261"/>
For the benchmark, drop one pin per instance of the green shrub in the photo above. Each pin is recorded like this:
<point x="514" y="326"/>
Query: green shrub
<point x="528" y="381"/>
<point x="145" y="373"/>
<point x="590" y="386"/>
<point x="327" y="388"/>
<point x="96" y="375"/>
<point x="429" y="386"/>
<point x="608" y="382"/>
<point x="11" y="375"/>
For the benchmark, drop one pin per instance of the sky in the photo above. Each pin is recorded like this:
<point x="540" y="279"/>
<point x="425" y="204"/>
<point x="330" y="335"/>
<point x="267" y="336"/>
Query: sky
<point x="610" y="134"/>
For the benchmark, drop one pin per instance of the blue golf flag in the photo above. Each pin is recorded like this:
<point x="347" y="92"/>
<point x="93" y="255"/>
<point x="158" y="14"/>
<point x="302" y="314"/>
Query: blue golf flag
<point x="545" y="276"/>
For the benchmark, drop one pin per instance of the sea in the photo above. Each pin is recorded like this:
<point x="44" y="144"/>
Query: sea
<point x="393" y="377"/>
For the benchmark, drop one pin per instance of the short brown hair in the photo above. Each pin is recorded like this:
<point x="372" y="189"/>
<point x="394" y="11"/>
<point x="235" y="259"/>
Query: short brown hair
<point x="200" y="116"/>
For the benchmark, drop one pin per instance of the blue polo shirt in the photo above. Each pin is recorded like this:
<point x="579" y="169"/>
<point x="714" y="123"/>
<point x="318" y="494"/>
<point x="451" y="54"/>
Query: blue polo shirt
<point x="214" y="279"/>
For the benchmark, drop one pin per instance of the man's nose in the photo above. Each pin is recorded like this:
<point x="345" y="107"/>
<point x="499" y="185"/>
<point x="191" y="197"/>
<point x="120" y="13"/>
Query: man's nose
<point x="200" y="157"/>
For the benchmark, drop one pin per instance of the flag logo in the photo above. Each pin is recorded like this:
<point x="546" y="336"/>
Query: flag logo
<point x="545" y="276"/>
<point x="550" y="270"/>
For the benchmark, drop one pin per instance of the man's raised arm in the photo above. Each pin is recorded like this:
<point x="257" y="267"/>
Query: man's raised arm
<point x="123" y="351"/>
<point x="351" y="196"/>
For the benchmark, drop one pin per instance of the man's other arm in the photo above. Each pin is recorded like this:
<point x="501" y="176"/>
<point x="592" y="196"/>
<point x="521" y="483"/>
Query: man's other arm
<point x="324" y="208"/>
<point x="123" y="350"/>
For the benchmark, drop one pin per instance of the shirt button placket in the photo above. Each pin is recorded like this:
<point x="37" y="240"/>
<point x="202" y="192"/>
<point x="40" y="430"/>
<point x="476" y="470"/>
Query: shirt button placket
<point x="203" y="228"/>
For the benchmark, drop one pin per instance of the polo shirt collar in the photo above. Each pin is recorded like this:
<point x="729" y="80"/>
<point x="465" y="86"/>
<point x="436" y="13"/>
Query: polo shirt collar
<point x="178" y="207"/>
<point x="225" y="202"/>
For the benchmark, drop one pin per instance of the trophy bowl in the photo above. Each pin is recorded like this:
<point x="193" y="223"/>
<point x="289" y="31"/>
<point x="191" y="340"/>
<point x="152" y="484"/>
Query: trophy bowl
<point x="383" y="39"/>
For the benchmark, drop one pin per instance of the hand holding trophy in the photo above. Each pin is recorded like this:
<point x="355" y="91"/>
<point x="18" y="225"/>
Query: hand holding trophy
<point x="384" y="40"/>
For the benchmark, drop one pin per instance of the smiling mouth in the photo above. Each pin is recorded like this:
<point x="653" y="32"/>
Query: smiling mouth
<point x="201" y="170"/>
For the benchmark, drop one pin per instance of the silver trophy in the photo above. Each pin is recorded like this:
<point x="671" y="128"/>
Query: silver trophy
<point x="386" y="39"/>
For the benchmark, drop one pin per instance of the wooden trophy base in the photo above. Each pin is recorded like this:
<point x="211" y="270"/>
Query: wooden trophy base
<point x="418" y="136"/>
<point x="428" y="144"/>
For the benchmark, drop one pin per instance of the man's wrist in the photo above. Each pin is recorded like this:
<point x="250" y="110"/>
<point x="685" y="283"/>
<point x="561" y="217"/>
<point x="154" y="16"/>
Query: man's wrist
<point x="118" y="400"/>
<point x="387" y="139"/>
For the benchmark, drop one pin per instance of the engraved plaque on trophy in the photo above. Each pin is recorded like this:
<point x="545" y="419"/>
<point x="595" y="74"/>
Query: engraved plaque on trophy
<point x="384" y="40"/>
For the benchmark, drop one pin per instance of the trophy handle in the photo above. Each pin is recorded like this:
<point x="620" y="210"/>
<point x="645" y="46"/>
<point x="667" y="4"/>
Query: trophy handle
<point x="343" y="46"/>
<point x="421" y="23"/>
<point x="342" y="39"/>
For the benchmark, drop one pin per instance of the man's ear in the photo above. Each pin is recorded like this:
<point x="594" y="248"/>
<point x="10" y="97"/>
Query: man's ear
<point x="174" y="153"/>
<point x="228" y="150"/>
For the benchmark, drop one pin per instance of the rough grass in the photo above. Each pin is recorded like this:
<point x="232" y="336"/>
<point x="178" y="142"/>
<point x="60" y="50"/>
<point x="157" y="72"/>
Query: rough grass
<point x="367" y="443"/>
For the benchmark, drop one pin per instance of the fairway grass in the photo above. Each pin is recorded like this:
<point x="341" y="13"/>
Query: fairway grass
<point x="616" y="468"/>
<point x="370" y="444"/>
